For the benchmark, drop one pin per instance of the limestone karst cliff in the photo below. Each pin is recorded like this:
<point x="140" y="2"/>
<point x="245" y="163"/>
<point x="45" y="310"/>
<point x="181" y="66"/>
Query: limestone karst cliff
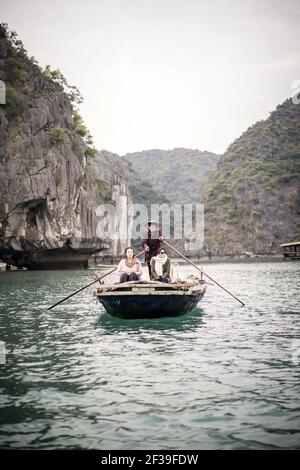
<point x="252" y="199"/>
<point x="48" y="197"/>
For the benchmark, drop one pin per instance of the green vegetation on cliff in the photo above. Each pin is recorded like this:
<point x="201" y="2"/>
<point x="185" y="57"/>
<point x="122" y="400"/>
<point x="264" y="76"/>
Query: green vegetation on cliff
<point x="178" y="174"/>
<point x="141" y="190"/>
<point x="48" y="198"/>
<point x="252" y="200"/>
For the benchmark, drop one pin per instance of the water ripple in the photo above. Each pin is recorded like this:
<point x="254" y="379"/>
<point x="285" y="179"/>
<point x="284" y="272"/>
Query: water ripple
<point x="221" y="377"/>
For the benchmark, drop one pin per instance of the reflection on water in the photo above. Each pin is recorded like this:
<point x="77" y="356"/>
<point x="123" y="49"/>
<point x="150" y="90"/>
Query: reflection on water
<point x="190" y="321"/>
<point x="222" y="376"/>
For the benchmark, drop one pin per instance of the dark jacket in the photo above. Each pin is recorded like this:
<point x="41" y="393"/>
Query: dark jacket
<point x="153" y="243"/>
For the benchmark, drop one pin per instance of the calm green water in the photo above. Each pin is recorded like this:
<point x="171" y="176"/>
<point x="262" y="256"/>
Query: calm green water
<point x="221" y="377"/>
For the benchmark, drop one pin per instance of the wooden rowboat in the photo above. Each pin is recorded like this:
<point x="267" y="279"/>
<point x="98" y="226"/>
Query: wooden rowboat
<point x="150" y="299"/>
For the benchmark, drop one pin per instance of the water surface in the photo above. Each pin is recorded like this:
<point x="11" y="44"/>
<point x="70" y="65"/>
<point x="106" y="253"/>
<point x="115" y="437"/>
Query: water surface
<point x="221" y="377"/>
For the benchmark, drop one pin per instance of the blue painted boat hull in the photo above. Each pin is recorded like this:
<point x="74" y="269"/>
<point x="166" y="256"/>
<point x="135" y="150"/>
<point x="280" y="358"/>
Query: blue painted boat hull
<point x="149" y="306"/>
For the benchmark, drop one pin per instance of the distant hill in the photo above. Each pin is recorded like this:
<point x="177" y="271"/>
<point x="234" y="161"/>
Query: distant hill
<point x="252" y="200"/>
<point x="141" y="190"/>
<point x="178" y="174"/>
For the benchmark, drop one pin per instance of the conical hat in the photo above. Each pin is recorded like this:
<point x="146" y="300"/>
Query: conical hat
<point x="152" y="222"/>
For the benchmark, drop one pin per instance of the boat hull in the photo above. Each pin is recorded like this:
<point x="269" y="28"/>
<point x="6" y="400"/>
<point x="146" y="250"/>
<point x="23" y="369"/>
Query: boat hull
<point x="149" y="306"/>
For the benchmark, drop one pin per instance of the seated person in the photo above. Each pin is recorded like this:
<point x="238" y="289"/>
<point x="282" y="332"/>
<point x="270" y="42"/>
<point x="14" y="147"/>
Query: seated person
<point x="129" y="268"/>
<point x="160" y="267"/>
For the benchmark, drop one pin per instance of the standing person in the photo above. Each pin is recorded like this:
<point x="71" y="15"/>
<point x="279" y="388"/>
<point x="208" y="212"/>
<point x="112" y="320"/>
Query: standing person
<point x="161" y="267"/>
<point x="129" y="268"/>
<point x="151" y="244"/>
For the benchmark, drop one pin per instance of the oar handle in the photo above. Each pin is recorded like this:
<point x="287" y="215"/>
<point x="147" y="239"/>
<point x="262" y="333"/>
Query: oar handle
<point x="201" y="271"/>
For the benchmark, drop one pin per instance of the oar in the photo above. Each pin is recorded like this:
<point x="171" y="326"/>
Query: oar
<point x="88" y="285"/>
<point x="189" y="261"/>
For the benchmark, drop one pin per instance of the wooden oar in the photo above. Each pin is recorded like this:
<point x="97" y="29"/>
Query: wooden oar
<point x="189" y="261"/>
<point x="90" y="284"/>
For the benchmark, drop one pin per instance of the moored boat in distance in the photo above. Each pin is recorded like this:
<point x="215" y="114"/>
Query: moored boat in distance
<point x="150" y="299"/>
<point x="291" y="250"/>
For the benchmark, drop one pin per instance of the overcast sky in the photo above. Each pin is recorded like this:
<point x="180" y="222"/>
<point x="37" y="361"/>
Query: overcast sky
<point x="166" y="73"/>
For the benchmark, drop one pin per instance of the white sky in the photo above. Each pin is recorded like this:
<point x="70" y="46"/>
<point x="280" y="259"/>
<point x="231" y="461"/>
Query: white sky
<point x="166" y="73"/>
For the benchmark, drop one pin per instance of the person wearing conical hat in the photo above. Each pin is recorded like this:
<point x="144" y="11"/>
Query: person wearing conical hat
<point x="151" y="243"/>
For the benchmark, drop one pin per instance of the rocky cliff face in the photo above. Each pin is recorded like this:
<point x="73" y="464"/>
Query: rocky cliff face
<point x="48" y="198"/>
<point x="111" y="177"/>
<point x="140" y="188"/>
<point x="252" y="200"/>
<point x="121" y="183"/>
<point x="160" y="177"/>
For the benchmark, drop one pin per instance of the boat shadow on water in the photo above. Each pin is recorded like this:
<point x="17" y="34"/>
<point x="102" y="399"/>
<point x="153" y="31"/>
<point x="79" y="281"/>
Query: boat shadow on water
<point x="190" y="321"/>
